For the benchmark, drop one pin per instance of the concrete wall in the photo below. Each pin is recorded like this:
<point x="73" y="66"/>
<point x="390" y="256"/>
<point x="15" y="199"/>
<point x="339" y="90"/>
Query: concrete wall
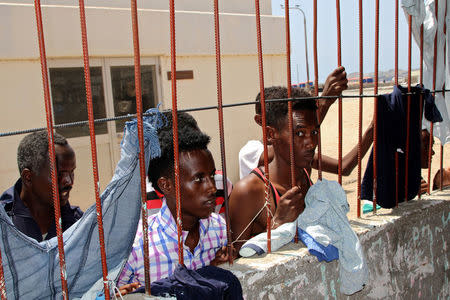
<point x="109" y="34"/>
<point x="406" y="250"/>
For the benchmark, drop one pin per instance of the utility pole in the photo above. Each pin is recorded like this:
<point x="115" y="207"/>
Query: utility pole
<point x="297" y="7"/>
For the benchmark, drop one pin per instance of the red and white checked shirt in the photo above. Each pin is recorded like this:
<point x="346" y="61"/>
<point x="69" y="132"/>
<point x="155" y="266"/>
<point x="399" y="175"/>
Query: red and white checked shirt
<point x="163" y="247"/>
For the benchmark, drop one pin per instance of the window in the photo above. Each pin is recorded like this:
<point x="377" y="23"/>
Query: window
<point x="124" y="93"/>
<point x="69" y="99"/>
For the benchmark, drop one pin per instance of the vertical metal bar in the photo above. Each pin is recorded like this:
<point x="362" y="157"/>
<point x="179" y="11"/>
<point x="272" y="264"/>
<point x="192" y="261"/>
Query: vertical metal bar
<point x="441" y="173"/>
<point x="421" y="84"/>
<point x="377" y="17"/>
<point x="221" y="126"/>
<point x="139" y="111"/>
<point x="408" y="108"/>
<point x="51" y="148"/>
<point x="396" y="179"/>
<point x="443" y="93"/>
<point x="396" y="43"/>
<point x="263" y="115"/>
<point x="430" y="145"/>
<point x="316" y="89"/>
<point x="173" y="60"/>
<point x="360" y="119"/>
<point x="396" y="83"/>
<point x="90" y="110"/>
<point x="339" y="61"/>
<point x="289" y="95"/>
<point x="2" y="280"/>
<point x="139" y="108"/>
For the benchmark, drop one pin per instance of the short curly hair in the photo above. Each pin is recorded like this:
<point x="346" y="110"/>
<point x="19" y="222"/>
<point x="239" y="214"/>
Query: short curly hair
<point x="189" y="138"/>
<point x="32" y="152"/>
<point x="277" y="111"/>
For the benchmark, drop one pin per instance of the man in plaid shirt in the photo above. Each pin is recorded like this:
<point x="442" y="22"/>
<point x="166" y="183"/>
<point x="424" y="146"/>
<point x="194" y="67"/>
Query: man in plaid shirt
<point x="204" y="232"/>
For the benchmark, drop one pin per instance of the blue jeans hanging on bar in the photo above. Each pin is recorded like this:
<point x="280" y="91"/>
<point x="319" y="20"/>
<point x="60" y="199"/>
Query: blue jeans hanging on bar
<point x="32" y="268"/>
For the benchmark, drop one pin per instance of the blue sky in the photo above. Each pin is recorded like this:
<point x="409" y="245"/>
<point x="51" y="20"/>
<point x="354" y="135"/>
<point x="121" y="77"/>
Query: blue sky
<point x="326" y="37"/>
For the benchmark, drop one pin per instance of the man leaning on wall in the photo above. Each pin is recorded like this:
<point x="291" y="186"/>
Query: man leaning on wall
<point x="29" y="202"/>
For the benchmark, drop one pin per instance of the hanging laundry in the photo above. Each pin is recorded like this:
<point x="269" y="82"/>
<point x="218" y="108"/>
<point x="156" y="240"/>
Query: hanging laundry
<point x="425" y="13"/>
<point x="391" y="138"/>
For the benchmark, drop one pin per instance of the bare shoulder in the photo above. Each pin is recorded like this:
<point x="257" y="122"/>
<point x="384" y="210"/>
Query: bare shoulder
<point x="248" y="189"/>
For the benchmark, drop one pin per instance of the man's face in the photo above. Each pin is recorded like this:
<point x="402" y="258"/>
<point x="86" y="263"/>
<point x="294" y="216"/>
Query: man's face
<point x="305" y="128"/>
<point x="197" y="185"/>
<point x="425" y="143"/>
<point x="42" y="182"/>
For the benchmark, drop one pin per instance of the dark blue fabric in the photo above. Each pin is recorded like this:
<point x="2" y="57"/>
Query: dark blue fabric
<point x="328" y="253"/>
<point x="22" y="219"/>
<point x="206" y="283"/>
<point x="391" y="135"/>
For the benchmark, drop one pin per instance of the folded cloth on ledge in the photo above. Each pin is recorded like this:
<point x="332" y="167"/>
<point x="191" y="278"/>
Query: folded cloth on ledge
<point x="283" y="235"/>
<point x="31" y="268"/>
<point x="325" y="221"/>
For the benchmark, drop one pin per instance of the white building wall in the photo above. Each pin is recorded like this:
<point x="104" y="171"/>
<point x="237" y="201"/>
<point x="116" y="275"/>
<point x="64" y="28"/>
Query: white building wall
<point x="228" y="6"/>
<point x="110" y="37"/>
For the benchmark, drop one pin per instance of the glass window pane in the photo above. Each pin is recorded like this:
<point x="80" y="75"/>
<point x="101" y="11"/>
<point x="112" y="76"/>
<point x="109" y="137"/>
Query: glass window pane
<point x="124" y="93"/>
<point x="69" y="99"/>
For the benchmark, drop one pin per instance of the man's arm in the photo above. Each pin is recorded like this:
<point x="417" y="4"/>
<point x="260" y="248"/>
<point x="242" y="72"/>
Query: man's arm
<point x="246" y="201"/>
<point x="350" y="160"/>
<point x="335" y="84"/>
<point x="244" y="204"/>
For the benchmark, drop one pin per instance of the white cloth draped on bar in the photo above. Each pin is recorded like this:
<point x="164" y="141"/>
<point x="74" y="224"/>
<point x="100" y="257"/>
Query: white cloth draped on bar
<point x="425" y="13"/>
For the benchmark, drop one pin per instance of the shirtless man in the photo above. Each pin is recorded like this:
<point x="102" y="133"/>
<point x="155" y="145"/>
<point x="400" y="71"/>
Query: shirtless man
<point x="247" y="199"/>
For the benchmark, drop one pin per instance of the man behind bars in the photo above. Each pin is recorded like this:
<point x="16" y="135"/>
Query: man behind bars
<point x="29" y="202"/>
<point x="204" y="232"/>
<point x="248" y="218"/>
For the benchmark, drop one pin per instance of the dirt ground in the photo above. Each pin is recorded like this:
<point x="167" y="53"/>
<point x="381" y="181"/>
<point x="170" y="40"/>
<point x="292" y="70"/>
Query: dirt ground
<point x="329" y="137"/>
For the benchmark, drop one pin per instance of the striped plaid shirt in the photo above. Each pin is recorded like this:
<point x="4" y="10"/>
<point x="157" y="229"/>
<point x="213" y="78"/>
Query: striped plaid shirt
<point x="163" y="247"/>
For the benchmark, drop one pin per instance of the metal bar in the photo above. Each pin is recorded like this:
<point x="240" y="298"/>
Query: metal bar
<point x="377" y="17"/>
<point x="430" y="145"/>
<point x="51" y="148"/>
<point x="90" y="110"/>
<point x="408" y="108"/>
<point x="441" y="173"/>
<point x="202" y="108"/>
<point x="173" y="60"/>
<point x="289" y="94"/>
<point x="339" y="61"/>
<point x="360" y="119"/>
<point x="140" y="125"/>
<point x="442" y="146"/>
<point x="396" y="83"/>
<point x="421" y="84"/>
<point x="263" y="116"/>
<point x="316" y="89"/>
<point x="396" y="43"/>
<point x="2" y="280"/>
<point x="221" y="126"/>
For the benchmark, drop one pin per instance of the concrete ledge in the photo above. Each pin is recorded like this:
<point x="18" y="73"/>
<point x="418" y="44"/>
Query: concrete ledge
<point x="406" y="252"/>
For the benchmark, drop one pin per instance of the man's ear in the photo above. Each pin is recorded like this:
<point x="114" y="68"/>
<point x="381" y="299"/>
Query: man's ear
<point x="26" y="175"/>
<point x="258" y="119"/>
<point x="272" y="135"/>
<point x="165" y="185"/>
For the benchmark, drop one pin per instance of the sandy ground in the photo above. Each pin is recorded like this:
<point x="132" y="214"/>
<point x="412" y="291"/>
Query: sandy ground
<point x="329" y="135"/>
